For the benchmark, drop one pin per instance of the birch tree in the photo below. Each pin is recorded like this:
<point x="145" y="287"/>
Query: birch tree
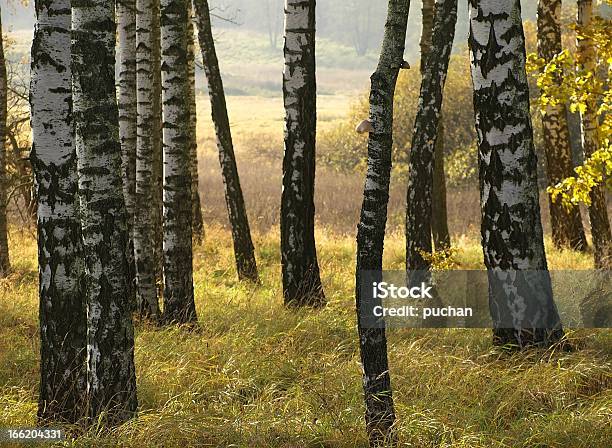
<point x="157" y="145"/>
<point x="439" y="215"/>
<point x="301" y="277"/>
<point x="598" y="212"/>
<point x="567" y="230"/>
<point x="179" y="305"/>
<point x="111" y="380"/>
<point x="60" y="254"/>
<point x="198" y="221"/>
<point x="244" y="251"/>
<point x="521" y="300"/>
<point x="380" y="413"/>
<point x="4" y="249"/>
<point x="144" y="224"/>
<point x="423" y="154"/>
<point x="126" y="21"/>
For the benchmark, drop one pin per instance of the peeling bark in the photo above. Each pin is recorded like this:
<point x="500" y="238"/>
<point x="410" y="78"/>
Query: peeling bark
<point x="236" y="209"/>
<point x="144" y="225"/>
<point x="511" y="230"/>
<point x="380" y="413"/>
<point x="126" y="23"/>
<point x="4" y="249"/>
<point x="425" y="137"/>
<point x="598" y="212"/>
<point x="61" y="270"/>
<point x="179" y="305"/>
<point x="567" y="230"/>
<point x="301" y="277"/>
<point x="111" y="379"/>
<point x="198" y="220"/>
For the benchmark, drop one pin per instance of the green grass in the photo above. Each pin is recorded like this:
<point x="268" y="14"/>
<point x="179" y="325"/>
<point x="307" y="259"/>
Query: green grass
<point x="258" y="375"/>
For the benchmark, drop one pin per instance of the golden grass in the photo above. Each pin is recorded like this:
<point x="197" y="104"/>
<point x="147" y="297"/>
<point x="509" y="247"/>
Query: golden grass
<point x="259" y="375"/>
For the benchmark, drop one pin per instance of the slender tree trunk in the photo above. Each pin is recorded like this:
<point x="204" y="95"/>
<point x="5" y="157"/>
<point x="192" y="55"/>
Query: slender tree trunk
<point x="425" y="136"/>
<point x="144" y="225"/>
<point x="598" y="212"/>
<point x="158" y="163"/>
<point x="198" y="221"/>
<point x="439" y="219"/>
<point x="60" y="254"/>
<point x="521" y="300"/>
<point x="301" y="277"/>
<point x="4" y="249"/>
<point x="179" y="305"/>
<point x="111" y="379"/>
<point x="380" y="414"/>
<point x="126" y="22"/>
<point x="567" y="230"/>
<point x="241" y="233"/>
<point x="439" y="216"/>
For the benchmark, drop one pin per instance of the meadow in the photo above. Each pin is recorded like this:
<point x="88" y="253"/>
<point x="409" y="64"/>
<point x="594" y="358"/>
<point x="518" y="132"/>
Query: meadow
<point x="258" y="375"/>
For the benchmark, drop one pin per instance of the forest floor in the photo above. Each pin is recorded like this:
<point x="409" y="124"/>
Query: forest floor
<point x="258" y="375"/>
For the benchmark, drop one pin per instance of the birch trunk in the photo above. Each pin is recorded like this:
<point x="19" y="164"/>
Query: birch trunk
<point x="4" y="249"/>
<point x="439" y="218"/>
<point x="567" y="230"/>
<point x="144" y="225"/>
<point x="380" y="414"/>
<point x="301" y="277"/>
<point x="61" y="270"/>
<point x="425" y="136"/>
<point x="598" y="212"/>
<point x="111" y="380"/>
<point x="158" y="162"/>
<point x="236" y="209"/>
<point x="126" y="21"/>
<point x="198" y="221"/>
<point x="521" y="301"/>
<point x="179" y="306"/>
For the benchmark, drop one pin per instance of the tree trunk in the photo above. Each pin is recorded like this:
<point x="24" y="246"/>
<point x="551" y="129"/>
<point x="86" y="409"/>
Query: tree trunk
<point x="425" y="136"/>
<point x="380" y="414"/>
<point x="158" y="163"/>
<point x="60" y="253"/>
<point x="241" y="233"/>
<point x="301" y="278"/>
<point x="567" y="230"/>
<point x="521" y="300"/>
<point x="126" y="22"/>
<point x="111" y="380"/>
<point x="144" y="225"/>
<point x="198" y="221"/>
<point x="598" y="212"/>
<point x="179" y="305"/>
<point x="439" y="219"/>
<point x="4" y="249"/>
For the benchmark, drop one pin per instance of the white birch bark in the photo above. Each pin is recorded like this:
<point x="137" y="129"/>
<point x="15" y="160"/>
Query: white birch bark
<point x="126" y="23"/>
<point x="111" y="381"/>
<point x="179" y="303"/>
<point x="522" y="305"/>
<point x="60" y="256"/>
<point x="380" y="413"/>
<point x="300" y="267"/>
<point x="144" y="207"/>
<point x="198" y="222"/>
